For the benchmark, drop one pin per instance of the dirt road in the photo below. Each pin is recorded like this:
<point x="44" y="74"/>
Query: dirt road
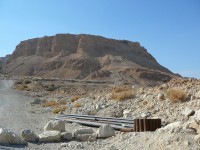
<point x="14" y="110"/>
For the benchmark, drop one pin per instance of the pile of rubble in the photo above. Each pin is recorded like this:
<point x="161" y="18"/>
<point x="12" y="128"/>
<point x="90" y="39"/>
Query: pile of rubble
<point x="55" y="131"/>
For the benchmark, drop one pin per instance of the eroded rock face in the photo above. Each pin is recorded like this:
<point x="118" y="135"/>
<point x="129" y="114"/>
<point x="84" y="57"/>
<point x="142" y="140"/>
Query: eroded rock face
<point x="85" y="57"/>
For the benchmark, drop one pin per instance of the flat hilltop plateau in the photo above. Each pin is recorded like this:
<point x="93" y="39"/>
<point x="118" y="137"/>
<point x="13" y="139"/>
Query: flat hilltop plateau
<point x="86" y="57"/>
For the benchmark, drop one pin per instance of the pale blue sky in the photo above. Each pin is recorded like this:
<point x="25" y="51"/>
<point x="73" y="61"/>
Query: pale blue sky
<point x="168" y="29"/>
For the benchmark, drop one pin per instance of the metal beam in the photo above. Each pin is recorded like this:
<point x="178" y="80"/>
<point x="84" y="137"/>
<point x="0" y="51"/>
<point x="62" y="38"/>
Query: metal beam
<point x="100" y="121"/>
<point x="98" y="117"/>
<point x="96" y="124"/>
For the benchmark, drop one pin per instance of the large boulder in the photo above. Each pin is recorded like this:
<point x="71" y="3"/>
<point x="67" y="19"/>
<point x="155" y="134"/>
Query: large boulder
<point x="29" y="136"/>
<point x="187" y="112"/>
<point x="173" y="125"/>
<point x="197" y="138"/>
<point x="57" y="125"/>
<point x="197" y="116"/>
<point x="50" y="136"/>
<point x="198" y="95"/>
<point x="127" y="113"/>
<point x="161" y="96"/>
<point x="67" y="136"/>
<point x="84" y="135"/>
<point x="194" y="126"/>
<point x="9" y="138"/>
<point x="105" y="131"/>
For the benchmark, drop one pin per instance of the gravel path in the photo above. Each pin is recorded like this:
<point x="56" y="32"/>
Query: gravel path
<point x="17" y="114"/>
<point x="13" y="106"/>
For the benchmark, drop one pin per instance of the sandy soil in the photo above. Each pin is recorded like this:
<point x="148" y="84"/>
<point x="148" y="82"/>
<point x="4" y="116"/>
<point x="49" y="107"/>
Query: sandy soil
<point x="16" y="113"/>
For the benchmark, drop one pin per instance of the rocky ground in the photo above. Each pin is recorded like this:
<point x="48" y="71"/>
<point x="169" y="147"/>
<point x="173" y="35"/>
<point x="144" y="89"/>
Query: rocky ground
<point x="179" y="112"/>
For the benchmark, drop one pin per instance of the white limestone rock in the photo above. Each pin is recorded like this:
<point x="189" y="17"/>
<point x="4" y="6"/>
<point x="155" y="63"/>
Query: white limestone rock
<point x="50" y="136"/>
<point x="105" y="131"/>
<point x="9" y="138"/>
<point x="187" y="112"/>
<point x="57" y="125"/>
<point x="161" y="96"/>
<point x="84" y="135"/>
<point x="67" y="136"/>
<point x="29" y="136"/>
<point x="197" y="116"/>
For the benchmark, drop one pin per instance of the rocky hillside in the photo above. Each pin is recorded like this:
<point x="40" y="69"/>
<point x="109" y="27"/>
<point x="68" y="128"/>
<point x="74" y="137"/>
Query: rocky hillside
<point x="5" y="59"/>
<point x="86" y="57"/>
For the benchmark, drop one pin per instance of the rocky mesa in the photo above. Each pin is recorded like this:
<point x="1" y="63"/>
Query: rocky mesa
<point x="86" y="57"/>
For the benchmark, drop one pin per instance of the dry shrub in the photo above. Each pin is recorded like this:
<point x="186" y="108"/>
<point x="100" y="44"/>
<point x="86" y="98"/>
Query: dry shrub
<point x="62" y="102"/>
<point x="57" y="106"/>
<point x="77" y="105"/>
<point x="50" y="104"/>
<point x="59" y="109"/>
<point x="22" y="87"/>
<point x="122" y="95"/>
<point x="144" y="102"/>
<point x="75" y="98"/>
<point x="27" y="81"/>
<point x="176" y="95"/>
<point x="51" y="88"/>
<point x="140" y="90"/>
<point x="17" y="82"/>
<point x="121" y="89"/>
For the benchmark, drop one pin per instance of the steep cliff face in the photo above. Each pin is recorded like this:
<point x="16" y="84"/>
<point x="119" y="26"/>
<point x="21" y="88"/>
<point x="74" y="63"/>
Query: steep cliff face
<point x="83" y="57"/>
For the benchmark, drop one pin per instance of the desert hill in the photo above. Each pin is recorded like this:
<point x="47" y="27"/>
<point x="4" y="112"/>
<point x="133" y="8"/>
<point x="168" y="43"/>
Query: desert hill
<point x="4" y="60"/>
<point x="86" y="57"/>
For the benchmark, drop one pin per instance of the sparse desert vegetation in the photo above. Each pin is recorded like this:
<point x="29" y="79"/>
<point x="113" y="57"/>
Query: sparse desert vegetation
<point x="50" y="104"/>
<point x="56" y="106"/>
<point x="163" y="101"/>
<point x="27" y="81"/>
<point x="51" y="87"/>
<point x="74" y="98"/>
<point x="77" y="105"/>
<point x="122" y="93"/>
<point x="59" y="109"/>
<point x="176" y="95"/>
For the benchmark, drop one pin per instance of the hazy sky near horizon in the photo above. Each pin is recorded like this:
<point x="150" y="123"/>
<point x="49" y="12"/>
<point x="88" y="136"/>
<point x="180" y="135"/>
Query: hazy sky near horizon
<point x="168" y="29"/>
